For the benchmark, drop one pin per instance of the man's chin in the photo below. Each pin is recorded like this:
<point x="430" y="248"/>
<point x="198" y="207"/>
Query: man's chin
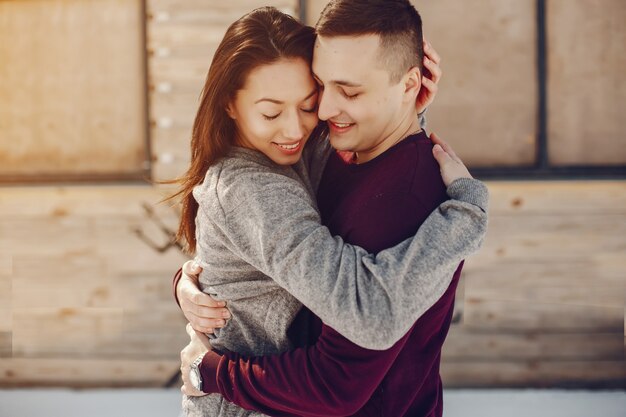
<point x="341" y="143"/>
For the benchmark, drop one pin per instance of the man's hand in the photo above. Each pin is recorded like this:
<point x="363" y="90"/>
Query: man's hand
<point x="430" y="78"/>
<point x="198" y="346"/>
<point x="201" y="310"/>
<point x="450" y="164"/>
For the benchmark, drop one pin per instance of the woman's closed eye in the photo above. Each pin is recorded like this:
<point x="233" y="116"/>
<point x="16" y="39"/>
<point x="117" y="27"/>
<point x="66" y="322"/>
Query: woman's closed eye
<point x="266" y="117"/>
<point x="310" y="110"/>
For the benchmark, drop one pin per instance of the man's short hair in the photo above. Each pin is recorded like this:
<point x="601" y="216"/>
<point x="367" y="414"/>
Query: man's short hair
<point x="397" y="23"/>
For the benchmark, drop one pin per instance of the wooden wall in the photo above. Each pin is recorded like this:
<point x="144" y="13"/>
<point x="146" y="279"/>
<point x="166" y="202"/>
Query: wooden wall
<point x="543" y="301"/>
<point x="72" y="88"/>
<point x="586" y="68"/>
<point x="85" y="300"/>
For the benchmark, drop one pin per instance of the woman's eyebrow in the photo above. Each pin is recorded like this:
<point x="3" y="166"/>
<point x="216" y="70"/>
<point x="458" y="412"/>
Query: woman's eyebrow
<point x="271" y="100"/>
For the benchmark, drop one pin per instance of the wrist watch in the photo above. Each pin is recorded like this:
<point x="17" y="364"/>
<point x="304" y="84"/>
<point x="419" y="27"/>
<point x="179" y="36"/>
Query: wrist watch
<point x="194" y="373"/>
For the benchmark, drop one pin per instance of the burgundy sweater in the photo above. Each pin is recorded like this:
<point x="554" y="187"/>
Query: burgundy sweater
<point x="374" y="205"/>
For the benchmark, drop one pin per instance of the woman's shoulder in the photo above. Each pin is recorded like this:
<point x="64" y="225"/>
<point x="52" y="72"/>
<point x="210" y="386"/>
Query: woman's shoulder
<point x="239" y="176"/>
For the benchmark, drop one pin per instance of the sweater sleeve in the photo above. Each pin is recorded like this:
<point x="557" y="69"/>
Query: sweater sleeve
<point x="334" y="377"/>
<point x="278" y="231"/>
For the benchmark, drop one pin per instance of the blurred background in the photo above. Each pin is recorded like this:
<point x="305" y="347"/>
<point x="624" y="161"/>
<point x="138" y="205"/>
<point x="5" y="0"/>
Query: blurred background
<point x="97" y="99"/>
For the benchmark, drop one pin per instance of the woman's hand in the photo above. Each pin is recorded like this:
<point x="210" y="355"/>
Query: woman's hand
<point x="203" y="312"/>
<point x="430" y="78"/>
<point x="198" y="346"/>
<point x="450" y="164"/>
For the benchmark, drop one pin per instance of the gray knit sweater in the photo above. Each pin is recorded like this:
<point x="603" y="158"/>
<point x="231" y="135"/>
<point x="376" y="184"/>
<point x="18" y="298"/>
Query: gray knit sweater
<point x="263" y="249"/>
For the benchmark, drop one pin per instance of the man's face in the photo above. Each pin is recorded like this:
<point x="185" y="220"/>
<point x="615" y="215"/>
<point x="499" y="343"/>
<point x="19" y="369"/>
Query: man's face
<point x="357" y="99"/>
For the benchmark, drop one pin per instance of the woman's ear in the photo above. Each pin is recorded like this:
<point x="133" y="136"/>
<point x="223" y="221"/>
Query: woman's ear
<point x="412" y="83"/>
<point x="230" y="112"/>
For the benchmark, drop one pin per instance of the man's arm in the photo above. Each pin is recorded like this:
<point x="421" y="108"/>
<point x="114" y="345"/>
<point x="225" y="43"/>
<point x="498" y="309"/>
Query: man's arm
<point x="343" y="284"/>
<point x="334" y="377"/>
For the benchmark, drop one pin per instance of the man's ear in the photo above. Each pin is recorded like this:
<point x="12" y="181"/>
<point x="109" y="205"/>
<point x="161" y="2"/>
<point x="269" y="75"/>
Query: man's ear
<point x="412" y="84"/>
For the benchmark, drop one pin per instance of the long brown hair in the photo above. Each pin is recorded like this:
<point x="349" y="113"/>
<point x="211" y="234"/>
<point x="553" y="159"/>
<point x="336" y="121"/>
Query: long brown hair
<point x="261" y="37"/>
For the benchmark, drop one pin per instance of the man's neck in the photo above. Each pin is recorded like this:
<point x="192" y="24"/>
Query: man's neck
<point x="407" y="127"/>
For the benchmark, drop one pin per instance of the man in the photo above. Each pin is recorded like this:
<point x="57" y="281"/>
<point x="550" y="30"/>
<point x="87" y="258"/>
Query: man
<point x="369" y="77"/>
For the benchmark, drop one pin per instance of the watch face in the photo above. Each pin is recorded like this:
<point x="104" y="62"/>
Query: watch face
<point x="195" y="381"/>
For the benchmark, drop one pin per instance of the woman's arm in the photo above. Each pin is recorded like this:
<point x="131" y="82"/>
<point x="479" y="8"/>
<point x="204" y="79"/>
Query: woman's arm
<point x="277" y="230"/>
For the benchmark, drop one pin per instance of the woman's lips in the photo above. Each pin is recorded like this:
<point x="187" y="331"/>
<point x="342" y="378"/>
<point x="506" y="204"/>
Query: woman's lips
<point x="288" y="148"/>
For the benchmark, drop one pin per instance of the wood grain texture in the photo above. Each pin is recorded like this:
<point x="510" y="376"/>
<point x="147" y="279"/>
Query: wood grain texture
<point x="538" y="374"/>
<point x="84" y="285"/>
<point x="74" y="88"/>
<point x="465" y="345"/>
<point x="542" y="304"/>
<point x="85" y="373"/>
<point x="486" y="105"/>
<point x="586" y="89"/>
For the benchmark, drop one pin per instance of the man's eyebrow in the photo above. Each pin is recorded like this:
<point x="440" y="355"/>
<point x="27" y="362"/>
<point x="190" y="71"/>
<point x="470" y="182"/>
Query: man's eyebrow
<point x="345" y="83"/>
<point x="271" y="100"/>
<point x="339" y="82"/>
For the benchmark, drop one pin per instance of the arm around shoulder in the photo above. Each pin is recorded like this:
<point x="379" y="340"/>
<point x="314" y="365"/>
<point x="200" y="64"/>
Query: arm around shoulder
<point x="277" y="229"/>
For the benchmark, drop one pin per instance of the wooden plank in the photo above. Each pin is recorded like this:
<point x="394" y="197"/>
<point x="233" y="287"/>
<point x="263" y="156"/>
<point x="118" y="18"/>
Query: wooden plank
<point x="551" y="238"/>
<point x="183" y="34"/>
<point x="79" y="281"/>
<point x="166" y="171"/>
<point x="78" y="201"/>
<point x="534" y="374"/>
<point x="113" y="239"/>
<point x="547" y="282"/>
<point x="586" y="96"/>
<point x="510" y="315"/>
<point x="465" y="344"/>
<point x="99" y="332"/>
<point x="178" y="102"/>
<point x="201" y="15"/>
<point x="188" y="72"/>
<point x="6" y="344"/>
<point x="36" y="331"/>
<point x="181" y="108"/>
<point x="473" y="106"/>
<point x="84" y="373"/>
<point x="246" y="5"/>
<point x="170" y="153"/>
<point x="188" y="52"/>
<point x="79" y="270"/>
<point x="515" y="276"/>
<point x="6" y="302"/>
<point x="557" y="197"/>
<point x="76" y="99"/>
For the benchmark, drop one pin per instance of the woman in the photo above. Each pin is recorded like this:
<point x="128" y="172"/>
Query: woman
<point x="249" y="209"/>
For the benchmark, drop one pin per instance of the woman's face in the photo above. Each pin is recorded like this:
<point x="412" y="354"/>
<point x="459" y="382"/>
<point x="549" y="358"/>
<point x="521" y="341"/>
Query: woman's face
<point x="276" y="110"/>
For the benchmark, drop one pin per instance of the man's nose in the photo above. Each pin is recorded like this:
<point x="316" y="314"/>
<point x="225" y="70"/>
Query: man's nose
<point x="327" y="106"/>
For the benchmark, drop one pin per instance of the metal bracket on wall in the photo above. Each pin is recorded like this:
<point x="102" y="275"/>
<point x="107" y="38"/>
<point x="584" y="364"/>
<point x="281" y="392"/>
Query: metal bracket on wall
<point x="302" y="15"/>
<point x="170" y="234"/>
